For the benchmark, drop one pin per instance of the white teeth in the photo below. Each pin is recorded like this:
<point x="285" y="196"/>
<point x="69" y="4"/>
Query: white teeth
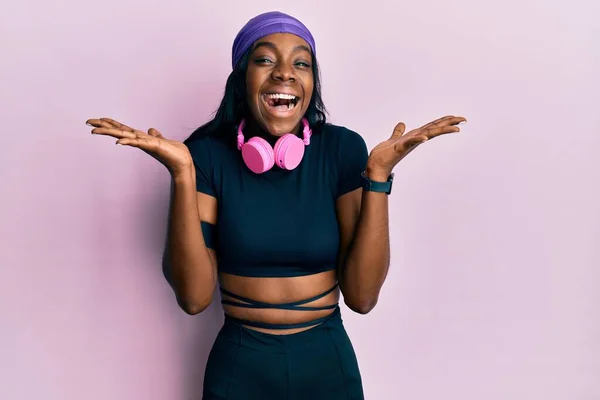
<point x="282" y="96"/>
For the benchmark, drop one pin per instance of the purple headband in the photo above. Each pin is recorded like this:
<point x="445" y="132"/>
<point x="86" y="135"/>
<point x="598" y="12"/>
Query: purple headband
<point x="267" y="24"/>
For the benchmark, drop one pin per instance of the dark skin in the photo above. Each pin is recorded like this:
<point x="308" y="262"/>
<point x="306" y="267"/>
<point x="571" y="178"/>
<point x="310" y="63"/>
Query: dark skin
<point x="279" y="63"/>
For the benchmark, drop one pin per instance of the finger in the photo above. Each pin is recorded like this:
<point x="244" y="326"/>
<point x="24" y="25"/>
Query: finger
<point x="98" y="123"/>
<point x="146" y="143"/>
<point x="398" y="130"/>
<point x="117" y="124"/>
<point x="133" y="142"/>
<point x="440" y="130"/>
<point x="437" y="121"/>
<point x="447" y="120"/>
<point x="114" y="132"/>
<point x="450" y="120"/>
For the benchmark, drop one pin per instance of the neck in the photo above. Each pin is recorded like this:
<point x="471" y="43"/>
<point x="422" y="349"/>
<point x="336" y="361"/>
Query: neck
<point x="253" y="128"/>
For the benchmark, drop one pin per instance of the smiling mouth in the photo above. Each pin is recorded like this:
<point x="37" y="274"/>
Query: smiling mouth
<point x="280" y="101"/>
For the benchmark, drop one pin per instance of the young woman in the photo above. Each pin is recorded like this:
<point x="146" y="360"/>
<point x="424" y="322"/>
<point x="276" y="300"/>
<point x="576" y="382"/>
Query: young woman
<point x="284" y="211"/>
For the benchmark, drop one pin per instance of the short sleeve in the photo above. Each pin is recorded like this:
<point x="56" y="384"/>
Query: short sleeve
<point x="201" y="154"/>
<point x="353" y="155"/>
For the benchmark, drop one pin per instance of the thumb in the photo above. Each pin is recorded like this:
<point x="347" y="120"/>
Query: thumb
<point x="398" y="130"/>
<point x="155" y="133"/>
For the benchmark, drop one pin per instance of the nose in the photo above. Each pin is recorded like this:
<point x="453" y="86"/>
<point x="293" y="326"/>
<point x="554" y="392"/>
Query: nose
<point x="283" y="72"/>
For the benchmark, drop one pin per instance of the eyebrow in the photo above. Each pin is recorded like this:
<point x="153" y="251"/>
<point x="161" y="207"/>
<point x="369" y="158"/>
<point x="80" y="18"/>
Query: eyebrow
<point x="272" y="46"/>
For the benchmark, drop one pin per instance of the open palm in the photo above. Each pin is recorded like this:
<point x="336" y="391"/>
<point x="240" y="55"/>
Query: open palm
<point x="171" y="153"/>
<point x="387" y="154"/>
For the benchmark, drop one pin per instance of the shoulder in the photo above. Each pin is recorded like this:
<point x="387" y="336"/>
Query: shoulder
<point x="349" y="153"/>
<point x="340" y="132"/>
<point x="205" y="143"/>
<point x="343" y="140"/>
<point x="207" y="147"/>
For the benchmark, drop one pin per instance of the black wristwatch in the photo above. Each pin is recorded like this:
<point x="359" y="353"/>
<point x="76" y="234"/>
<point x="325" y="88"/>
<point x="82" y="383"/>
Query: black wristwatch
<point x="373" y="186"/>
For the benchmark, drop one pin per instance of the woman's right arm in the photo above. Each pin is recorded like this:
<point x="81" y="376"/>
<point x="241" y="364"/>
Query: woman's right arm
<point x="192" y="266"/>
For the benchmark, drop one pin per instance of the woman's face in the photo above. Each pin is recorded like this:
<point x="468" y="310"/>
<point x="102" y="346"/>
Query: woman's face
<point x="279" y="82"/>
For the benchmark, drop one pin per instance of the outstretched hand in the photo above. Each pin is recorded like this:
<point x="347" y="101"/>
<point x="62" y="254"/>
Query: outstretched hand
<point x="384" y="157"/>
<point x="171" y="153"/>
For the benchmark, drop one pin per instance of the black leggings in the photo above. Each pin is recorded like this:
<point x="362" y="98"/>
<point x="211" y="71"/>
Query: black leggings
<point x="315" y="364"/>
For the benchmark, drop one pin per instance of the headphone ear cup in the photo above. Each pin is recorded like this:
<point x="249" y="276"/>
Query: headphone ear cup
<point x="258" y="155"/>
<point x="288" y="151"/>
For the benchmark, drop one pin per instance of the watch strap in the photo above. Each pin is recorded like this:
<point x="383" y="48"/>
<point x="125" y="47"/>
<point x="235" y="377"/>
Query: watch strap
<point x="375" y="186"/>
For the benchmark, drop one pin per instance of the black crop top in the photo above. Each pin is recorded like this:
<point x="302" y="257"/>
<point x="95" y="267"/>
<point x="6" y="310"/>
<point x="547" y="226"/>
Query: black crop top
<point x="280" y="223"/>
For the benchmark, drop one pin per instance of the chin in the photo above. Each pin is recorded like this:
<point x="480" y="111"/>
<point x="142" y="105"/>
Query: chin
<point x="279" y="121"/>
<point x="280" y="128"/>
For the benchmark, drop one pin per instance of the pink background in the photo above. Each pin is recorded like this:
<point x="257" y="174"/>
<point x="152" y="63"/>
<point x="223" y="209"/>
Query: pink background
<point x="493" y="289"/>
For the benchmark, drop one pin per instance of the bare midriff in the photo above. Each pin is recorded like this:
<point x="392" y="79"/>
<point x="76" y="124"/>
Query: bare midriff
<point x="279" y="291"/>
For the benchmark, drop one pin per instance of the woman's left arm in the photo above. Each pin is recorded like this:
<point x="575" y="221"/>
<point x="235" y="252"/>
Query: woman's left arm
<point x="364" y="220"/>
<point x="364" y="247"/>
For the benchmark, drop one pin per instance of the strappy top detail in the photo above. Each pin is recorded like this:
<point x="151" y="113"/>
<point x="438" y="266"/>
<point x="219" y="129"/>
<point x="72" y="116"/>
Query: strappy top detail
<point x="267" y="325"/>
<point x="245" y="302"/>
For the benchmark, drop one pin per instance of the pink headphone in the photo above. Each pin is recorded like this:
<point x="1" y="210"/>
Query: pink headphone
<point x="260" y="157"/>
